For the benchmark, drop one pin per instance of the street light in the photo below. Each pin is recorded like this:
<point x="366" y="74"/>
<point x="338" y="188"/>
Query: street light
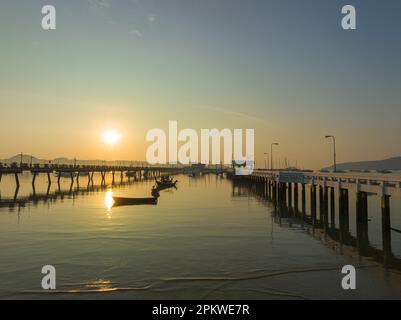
<point x="271" y="154"/>
<point x="267" y="159"/>
<point x="334" y="147"/>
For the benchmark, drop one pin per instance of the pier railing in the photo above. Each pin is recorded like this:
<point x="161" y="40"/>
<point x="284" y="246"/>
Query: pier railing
<point x="372" y="183"/>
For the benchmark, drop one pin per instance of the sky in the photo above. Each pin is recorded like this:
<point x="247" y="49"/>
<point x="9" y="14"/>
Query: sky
<point x="285" y="68"/>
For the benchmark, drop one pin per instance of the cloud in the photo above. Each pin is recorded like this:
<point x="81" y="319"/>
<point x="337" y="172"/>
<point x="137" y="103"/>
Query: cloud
<point x="232" y="113"/>
<point x="151" y="18"/>
<point x="111" y="22"/>
<point x="135" y="33"/>
<point x="99" y="4"/>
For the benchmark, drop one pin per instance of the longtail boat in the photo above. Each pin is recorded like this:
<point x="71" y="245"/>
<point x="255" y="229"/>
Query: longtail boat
<point x="120" y="201"/>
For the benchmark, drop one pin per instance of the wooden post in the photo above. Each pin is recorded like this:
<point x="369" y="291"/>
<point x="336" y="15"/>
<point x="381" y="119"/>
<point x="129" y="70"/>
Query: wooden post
<point x="33" y="179"/>
<point x="16" y="193"/>
<point x="48" y="190"/>
<point x="17" y="180"/>
<point x="72" y="178"/>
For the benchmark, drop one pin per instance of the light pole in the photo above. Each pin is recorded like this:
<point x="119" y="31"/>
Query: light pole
<point x="334" y="147"/>
<point x="267" y="159"/>
<point x="271" y="154"/>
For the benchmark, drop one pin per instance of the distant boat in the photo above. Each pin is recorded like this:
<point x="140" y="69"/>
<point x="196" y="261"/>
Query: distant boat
<point x="130" y="174"/>
<point x="66" y="174"/>
<point x="384" y="171"/>
<point x="74" y="174"/>
<point x="120" y="201"/>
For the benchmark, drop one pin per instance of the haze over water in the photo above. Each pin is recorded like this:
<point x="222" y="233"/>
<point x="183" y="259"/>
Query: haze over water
<point x="204" y="240"/>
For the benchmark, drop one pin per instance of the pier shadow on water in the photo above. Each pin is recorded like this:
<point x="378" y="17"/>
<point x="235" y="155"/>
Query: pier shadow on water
<point x="50" y="192"/>
<point x="323" y="220"/>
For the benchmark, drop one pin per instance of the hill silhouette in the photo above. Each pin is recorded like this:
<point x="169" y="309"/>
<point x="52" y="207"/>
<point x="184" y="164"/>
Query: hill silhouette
<point x="386" y="164"/>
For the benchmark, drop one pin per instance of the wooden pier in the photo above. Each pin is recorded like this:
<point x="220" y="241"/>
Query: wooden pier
<point x="74" y="172"/>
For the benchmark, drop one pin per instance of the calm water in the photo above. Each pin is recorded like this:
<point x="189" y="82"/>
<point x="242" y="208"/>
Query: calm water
<point x="201" y="241"/>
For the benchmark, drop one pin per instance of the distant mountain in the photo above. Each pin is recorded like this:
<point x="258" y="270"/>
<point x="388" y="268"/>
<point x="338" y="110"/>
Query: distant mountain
<point x="62" y="160"/>
<point x="386" y="164"/>
<point x="25" y="159"/>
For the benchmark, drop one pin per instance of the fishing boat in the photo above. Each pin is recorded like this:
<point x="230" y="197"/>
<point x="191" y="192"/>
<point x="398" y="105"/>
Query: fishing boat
<point x="162" y="186"/>
<point x="120" y="201"/>
<point x="165" y="182"/>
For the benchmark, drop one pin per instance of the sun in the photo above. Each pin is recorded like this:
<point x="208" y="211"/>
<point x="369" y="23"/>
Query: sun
<point x="111" y="137"/>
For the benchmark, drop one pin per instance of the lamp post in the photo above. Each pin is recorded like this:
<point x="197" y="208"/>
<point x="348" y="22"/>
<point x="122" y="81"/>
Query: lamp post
<point x="271" y="154"/>
<point x="267" y="159"/>
<point x="334" y="148"/>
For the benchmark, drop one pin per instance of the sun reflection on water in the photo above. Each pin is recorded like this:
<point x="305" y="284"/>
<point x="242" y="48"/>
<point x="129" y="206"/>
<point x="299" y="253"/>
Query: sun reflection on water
<point x="99" y="286"/>
<point x="109" y="202"/>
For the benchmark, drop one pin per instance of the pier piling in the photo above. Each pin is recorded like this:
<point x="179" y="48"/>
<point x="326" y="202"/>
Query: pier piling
<point x="17" y="180"/>
<point x="386" y="229"/>
<point x="303" y="199"/>
<point x="313" y="204"/>
<point x="332" y="208"/>
<point x="344" y="214"/>
<point x="362" y="221"/>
